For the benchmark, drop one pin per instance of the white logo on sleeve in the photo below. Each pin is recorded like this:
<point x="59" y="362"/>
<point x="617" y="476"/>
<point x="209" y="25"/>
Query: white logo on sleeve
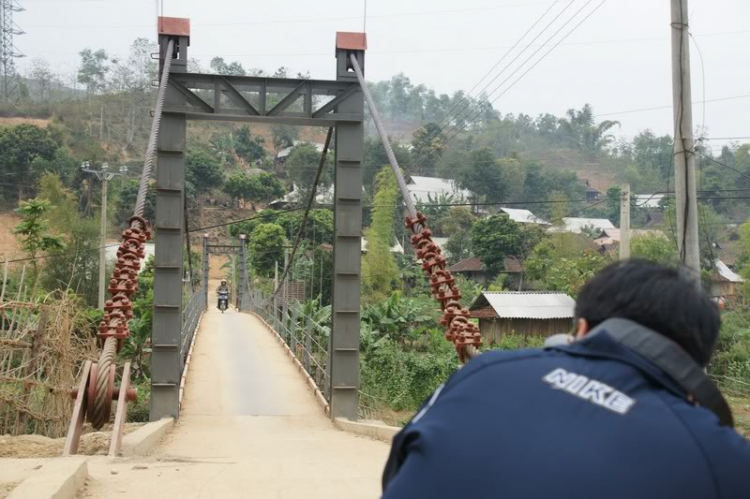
<point x="590" y="390"/>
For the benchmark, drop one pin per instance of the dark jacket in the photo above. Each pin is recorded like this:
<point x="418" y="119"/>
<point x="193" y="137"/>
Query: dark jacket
<point x="589" y="420"/>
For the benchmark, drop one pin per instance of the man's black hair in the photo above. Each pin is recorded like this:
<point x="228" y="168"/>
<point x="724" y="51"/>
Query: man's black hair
<point x="661" y="298"/>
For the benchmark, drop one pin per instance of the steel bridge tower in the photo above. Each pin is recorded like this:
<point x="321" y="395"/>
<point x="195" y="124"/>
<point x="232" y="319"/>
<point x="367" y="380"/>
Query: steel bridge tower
<point x="8" y="51"/>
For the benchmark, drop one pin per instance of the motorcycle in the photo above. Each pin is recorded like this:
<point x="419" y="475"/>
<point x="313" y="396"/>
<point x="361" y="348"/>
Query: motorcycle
<point x="223" y="301"/>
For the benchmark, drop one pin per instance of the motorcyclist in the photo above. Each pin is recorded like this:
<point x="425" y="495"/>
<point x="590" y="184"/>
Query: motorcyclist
<point x="222" y="289"/>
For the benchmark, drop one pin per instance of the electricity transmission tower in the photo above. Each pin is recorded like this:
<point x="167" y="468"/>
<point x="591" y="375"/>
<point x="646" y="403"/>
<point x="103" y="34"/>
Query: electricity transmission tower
<point x="8" y="51"/>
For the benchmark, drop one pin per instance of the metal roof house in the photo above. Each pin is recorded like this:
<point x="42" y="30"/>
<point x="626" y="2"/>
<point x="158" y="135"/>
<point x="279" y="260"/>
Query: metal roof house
<point x="424" y="188"/>
<point x="473" y="269"/>
<point x="523" y="216"/>
<point x="577" y="225"/>
<point x="526" y="313"/>
<point x="724" y="284"/>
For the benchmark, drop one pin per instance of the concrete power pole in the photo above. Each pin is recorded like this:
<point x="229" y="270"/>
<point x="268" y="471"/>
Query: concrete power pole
<point x="625" y="222"/>
<point x="684" y="151"/>
<point x="104" y="176"/>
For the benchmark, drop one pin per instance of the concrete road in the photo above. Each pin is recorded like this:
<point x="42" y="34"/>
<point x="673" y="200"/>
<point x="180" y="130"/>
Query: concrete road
<point x="249" y="428"/>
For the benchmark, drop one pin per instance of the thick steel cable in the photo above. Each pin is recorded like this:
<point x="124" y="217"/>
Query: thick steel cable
<point x="102" y="400"/>
<point x="148" y="165"/>
<point x="460" y="331"/>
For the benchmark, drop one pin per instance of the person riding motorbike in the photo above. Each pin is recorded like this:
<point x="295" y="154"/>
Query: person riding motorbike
<point x="223" y="292"/>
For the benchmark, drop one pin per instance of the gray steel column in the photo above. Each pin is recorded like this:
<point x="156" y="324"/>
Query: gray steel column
<point x="344" y="345"/>
<point x="169" y="229"/>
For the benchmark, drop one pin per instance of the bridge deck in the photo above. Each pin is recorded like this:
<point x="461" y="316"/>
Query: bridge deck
<point x="249" y="428"/>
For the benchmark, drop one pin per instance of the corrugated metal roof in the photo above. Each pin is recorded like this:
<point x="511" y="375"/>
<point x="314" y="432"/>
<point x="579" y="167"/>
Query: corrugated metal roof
<point x="576" y="225"/>
<point x="727" y="273"/>
<point x="523" y="216"/>
<point x="422" y="188"/>
<point x="527" y="305"/>
<point x="473" y="264"/>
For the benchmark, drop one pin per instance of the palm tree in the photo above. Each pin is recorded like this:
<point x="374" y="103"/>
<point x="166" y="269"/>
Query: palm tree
<point x="581" y="130"/>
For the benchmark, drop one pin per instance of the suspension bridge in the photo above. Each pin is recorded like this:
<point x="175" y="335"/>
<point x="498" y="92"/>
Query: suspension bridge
<point x="258" y="394"/>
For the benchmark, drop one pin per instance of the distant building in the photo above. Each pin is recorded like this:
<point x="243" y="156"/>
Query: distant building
<point x="523" y="216"/>
<point x="592" y="194"/>
<point x="611" y="237"/>
<point x="473" y="269"/>
<point x="651" y="201"/>
<point x="284" y="153"/>
<point x="324" y="196"/>
<point x="424" y="188"/>
<point x="396" y="248"/>
<point x="577" y="225"/>
<point x="525" y="313"/>
<point x="724" y="284"/>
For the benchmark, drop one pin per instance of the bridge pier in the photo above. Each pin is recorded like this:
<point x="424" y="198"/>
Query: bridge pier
<point x="166" y="365"/>
<point x="347" y="250"/>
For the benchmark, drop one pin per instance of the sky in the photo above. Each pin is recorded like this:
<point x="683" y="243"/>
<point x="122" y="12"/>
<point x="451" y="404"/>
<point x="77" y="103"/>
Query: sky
<point x="618" y="60"/>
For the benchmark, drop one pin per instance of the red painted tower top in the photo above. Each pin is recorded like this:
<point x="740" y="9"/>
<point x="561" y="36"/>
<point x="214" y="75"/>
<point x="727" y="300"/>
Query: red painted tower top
<point x="174" y="26"/>
<point x="351" y="41"/>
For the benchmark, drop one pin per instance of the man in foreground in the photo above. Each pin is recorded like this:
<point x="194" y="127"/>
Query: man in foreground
<point x="624" y="411"/>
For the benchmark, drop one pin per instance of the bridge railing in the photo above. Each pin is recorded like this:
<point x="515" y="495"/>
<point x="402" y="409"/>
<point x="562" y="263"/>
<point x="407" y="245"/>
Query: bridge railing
<point x="307" y="339"/>
<point x="191" y="314"/>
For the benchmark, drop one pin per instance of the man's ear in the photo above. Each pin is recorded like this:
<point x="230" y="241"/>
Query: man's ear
<point x="582" y="329"/>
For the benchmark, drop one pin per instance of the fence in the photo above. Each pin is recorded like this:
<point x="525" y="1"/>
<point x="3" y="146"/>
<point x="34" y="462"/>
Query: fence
<point x="307" y="338"/>
<point x="191" y="314"/>
<point x="41" y="346"/>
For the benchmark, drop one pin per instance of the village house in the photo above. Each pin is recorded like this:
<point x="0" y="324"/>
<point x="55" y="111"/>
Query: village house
<point x="578" y="225"/>
<point x="423" y="189"/>
<point x="526" y="313"/>
<point x="473" y="269"/>
<point x="725" y="284"/>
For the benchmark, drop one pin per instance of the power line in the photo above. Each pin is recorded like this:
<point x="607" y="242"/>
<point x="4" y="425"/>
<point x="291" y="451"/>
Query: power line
<point x="458" y="130"/>
<point x="468" y="94"/>
<point x="671" y="106"/>
<point x="457" y="117"/>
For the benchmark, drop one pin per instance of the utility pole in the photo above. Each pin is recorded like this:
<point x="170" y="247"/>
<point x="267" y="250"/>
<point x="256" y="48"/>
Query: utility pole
<point x="104" y="175"/>
<point x="625" y="222"/>
<point x="684" y="150"/>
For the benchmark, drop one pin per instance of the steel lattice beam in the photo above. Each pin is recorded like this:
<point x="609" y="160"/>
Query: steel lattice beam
<point x="264" y="100"/>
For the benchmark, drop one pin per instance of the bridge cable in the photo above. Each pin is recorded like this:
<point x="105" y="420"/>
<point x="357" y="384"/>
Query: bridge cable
<point x="310" y="201"/>
<point x="118" y="310"/>
<point x="460" y="331"/>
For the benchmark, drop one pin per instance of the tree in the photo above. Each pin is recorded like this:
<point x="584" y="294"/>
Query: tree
<point x="580" y="130"/>
<point x="283" y="136"/>
<point x="514" y="177"/>
<point x="20" y="146"/>
<point x="266" y="246"/>
<point x="258" y="188"/>
<point x="428" y="144"/>
<point x="41" y="74"/>
<point x="655" y="248"/>
<point x="374" y="158"/>
<point x="379" y="270"/>
<point x="219" y="66"/>
<point x="302" y="166"/>
<point x="126" y="202"/>
<point x="204" y="173"/>
<point x="483" y="177"/>
<point x="458" y="226"/>
<point x="93" y="70"/>
<point x="248" y="147"/>
<point x="34" y="231"/>
<point x="493" y="239"/>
